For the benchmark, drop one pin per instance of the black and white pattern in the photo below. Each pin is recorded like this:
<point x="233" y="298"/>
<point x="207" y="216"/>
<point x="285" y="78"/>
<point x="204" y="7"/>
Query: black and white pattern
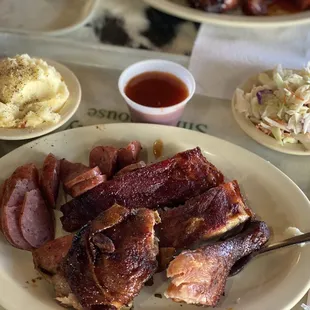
<point x="132" y="23"/>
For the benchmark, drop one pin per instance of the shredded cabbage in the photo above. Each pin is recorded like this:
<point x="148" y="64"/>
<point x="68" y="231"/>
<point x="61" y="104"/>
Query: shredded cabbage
<point x="279" y="105"/>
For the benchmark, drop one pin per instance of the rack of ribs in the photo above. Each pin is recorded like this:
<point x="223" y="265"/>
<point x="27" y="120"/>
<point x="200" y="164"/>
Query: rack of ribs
<point x="164" y="184"/>
<point x="104" y="265"/>
<point x="199" y="276"/>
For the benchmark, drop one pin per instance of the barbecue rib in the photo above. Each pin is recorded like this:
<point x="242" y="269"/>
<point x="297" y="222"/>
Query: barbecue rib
<point x="208" y="215"/>
<point x="199" y="277"/>
<point x="166" y="183"/>
<point x="108" y="262"/>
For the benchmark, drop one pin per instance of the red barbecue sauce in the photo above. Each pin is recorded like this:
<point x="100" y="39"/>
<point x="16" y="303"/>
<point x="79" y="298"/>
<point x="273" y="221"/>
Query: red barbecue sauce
<point x="156" y="89"/>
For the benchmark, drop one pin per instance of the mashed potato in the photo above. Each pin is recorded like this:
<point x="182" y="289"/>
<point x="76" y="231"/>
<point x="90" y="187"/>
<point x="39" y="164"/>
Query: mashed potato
<point x="31" y="92"/>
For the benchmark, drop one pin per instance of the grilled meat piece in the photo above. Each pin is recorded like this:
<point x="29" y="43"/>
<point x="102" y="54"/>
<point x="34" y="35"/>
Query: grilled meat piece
<point x="106" y="264"/>
<point x="49" y="179"/>
<point x="166" y="183"/>
<point x="214" y="6"/>
<point x="129" y="155"/>
<point x="47" y="260"/>
<point x="84" y="186"/>
<point x="74" y="173"/>
<point x="2" y="188"/>
<point x="199" y="277"/>
<point x="36" y="219"/>
<point x="105" y="157"/>
<point x="255" y="7"/>
<point x="132" y="167"/>
<point x="265" y="7"/>
<point x="303" y="4"/>
<point x="48" y="257"/>
<point x="208" y="215"/>
<point x="24" y="179"/>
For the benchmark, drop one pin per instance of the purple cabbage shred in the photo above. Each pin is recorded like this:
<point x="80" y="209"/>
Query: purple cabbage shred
<point x="260" y="94"/>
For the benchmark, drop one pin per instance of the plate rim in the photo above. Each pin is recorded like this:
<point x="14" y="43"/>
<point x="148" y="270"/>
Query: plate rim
<point x="93" y="4"/>
<point x="195" y="15"/>
<point x="37" y="132"/>
<point x="186" y="132"/>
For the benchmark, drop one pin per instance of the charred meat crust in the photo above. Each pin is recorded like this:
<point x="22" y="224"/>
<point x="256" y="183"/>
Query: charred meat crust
<point x="166" y="183"/>
<point x="208" y="215"/>
<point x="119" y="244"/>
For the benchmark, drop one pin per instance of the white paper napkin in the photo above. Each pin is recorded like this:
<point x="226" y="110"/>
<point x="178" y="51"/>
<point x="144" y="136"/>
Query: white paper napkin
<point x="224" y="57"/>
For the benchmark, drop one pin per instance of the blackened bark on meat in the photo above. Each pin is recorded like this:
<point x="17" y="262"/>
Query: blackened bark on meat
<point x="101" y="279"/>
<point x="208" y="215"/>
<point x="164" y="184"/>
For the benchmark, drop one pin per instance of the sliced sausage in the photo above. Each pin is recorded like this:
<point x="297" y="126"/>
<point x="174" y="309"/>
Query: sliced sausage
<point x="2" y="187"/>
<point x="49" y="180"/>
<point x="129" y="155"/>
<point x="105" y="157"/>
<point x="36" y="220"/>
<point x="82" y="187"/>
<point x="24" y="179"/>
<point x="11" y="228"/>
<point x="132" y="167"/>
<point x="73" y="173"/>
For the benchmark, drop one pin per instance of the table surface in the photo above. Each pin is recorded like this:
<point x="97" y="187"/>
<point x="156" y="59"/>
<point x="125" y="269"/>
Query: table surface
<point x="135" y="24"/>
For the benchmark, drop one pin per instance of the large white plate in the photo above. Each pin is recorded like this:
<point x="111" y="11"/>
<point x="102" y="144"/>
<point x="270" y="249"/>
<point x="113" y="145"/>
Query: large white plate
<point x="249" y="128"/>
<point x="52" y="17"/>
<point x="181" y="9"/>
<point x="66" y="112"/>
<point x="276" y="281"/>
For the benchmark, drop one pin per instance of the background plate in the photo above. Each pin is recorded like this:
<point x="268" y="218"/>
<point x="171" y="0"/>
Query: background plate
<point x="181" y="9"/>
<point x="52" y="17"/>
<point x="275" y="281"/>
<point x="66" y="112"/>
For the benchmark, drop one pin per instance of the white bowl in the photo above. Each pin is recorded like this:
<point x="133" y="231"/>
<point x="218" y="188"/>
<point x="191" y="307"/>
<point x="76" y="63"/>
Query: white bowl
<point x="168" y="115"/>
<point x="66" y="112"/>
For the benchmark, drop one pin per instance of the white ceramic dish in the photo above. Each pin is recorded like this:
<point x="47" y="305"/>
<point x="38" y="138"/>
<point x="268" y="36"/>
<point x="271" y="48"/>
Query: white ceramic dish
<point x="181" y="9"/>
<point x="249" y="128"/>
<point x="66" y="112"/>
<point x="44" y="16"/>
<point x="276" y="281"/>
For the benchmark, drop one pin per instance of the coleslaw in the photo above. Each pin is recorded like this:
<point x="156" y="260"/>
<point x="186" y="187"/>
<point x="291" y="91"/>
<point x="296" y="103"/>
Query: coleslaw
<point x="279" y="105"/>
